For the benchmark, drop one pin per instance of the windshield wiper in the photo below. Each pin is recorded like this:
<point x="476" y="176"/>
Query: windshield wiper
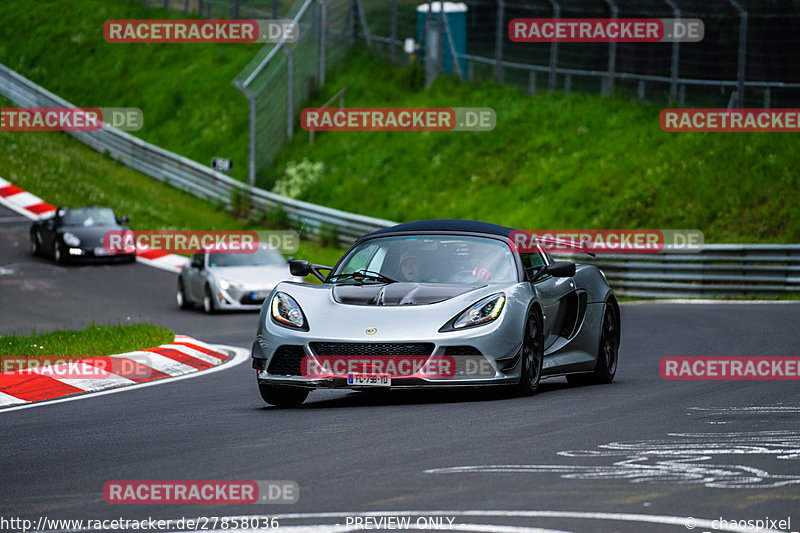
<point x="361" y="275"/>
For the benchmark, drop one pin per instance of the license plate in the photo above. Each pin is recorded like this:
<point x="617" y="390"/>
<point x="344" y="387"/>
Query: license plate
<point x="101" y="251"/>
<point x="369" y="380"/>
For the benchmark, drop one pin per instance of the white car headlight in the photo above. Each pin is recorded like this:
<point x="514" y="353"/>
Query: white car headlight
<point x="285" y="311"/>
<point x="482" y="312"/>
<point x="71" y="240"/>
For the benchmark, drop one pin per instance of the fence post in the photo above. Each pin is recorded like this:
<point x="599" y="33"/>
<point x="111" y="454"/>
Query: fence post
<point x="551" y="82"/>
<point x="498" y="41"/>
<point x="235" y="9"/>
<point x="767" y="98"/>
<point x="673" y="74"/>
<point x="289" y="93"/>
<point x="251" y="142"/>
<point x="275" y="4"/>
<point x="742" y="53"/>
<point x="354" y="10"/>
<point x="393" y="31"/>
<point x="532" y="82"/>
<point x="612" y="51"/>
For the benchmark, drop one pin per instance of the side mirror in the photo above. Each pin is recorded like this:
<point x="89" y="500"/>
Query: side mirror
<point x="124" y="220"/>
<point x="299" y="268"/>
<point x="196" y="264"/>
<point x="558" y="269"/>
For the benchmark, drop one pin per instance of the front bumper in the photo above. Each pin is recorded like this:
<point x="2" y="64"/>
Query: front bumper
<point x="466" y="352"/>
<point x="240" y="298"/>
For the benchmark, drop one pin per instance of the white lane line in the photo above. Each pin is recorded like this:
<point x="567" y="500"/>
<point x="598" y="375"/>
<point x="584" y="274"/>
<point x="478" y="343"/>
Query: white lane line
<point x="240" y="356"/>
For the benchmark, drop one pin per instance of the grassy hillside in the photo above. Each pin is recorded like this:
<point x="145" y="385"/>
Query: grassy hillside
<point x="553" y="161"/>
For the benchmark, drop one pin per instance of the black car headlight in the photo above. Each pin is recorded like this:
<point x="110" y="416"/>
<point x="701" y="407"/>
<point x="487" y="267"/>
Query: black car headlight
<point x="286" y="312"/>
<point x="481" y="312"/>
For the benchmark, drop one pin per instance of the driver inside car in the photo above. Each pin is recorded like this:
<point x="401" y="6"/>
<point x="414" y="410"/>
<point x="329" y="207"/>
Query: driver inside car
<point x="410" y="267"/>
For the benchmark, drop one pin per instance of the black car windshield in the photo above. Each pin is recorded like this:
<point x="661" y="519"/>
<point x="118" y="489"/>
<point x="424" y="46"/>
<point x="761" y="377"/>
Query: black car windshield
<point x="89" y="216"/>
<point x="428" y="259"/>
<point x="261" y="257"/>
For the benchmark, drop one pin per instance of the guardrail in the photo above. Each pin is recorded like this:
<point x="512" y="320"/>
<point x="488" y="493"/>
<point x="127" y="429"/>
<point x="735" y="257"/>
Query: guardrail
<point x="189" y="175"/>
<point x="720" y="270"/>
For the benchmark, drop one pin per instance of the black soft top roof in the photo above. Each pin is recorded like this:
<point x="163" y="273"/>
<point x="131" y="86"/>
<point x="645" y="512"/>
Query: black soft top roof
<point x="445" y="225"/>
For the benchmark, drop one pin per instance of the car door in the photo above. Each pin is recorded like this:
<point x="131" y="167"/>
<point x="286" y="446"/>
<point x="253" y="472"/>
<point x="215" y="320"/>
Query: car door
<point x="556" y="296"/>
<point x="194" y="277"/>
<point x="48" y="232"/>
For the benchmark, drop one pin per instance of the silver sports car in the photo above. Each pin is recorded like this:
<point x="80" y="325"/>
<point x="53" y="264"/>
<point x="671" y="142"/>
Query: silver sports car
<point x="438" y="303"/>
<point x="231" y="281"/>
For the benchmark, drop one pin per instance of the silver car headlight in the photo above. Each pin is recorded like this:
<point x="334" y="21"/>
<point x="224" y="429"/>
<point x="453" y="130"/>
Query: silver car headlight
<point x="71" y="240"/>
<point x="286" y="312"/>
<point x="481" y="312"/>
<point x="226" y="284"/>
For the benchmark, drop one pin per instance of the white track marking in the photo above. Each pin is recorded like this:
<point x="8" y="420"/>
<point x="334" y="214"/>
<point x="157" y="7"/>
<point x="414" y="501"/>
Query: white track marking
<point x="7" y="399"/>
<point x="240" y="356"/>
<point x="160" y="363"/>
<point x="685" y="458"/>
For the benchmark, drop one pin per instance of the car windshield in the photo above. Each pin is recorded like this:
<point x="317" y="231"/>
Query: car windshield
<point x="89" y="216"/>
<point x="261" y="257"/>
<point x="428" y="259"/>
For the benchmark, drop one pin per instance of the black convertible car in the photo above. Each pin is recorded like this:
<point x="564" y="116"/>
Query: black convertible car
<point x="76" y="234"/>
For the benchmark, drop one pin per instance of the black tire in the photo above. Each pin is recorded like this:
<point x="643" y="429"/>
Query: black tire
<point x="35" y="247"/>
<point x="532" y="355"/>
<point x="180" y="296"/>
<point x="607" y="353"/>
<point x="130" y="259"/>
<point x="208" y="301"/>
<point x="282" y="396"/>
<point x="58" y="253"/>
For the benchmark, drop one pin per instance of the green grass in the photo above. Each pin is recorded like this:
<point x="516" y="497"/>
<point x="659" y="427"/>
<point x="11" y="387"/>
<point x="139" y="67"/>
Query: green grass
<point x="96" y="340"/>
<point x="184" y="90"/>
<point x="554" y="161"/>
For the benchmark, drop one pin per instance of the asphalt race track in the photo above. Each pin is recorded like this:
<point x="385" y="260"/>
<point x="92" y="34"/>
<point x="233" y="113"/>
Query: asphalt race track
<point x="641" y="454"/>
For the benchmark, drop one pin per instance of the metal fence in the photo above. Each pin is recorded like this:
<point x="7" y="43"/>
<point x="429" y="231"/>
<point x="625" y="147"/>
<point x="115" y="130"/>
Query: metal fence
<point x="282" y="76"/>
<point x="747" y="56"/>
<point x="720" y="270"/>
